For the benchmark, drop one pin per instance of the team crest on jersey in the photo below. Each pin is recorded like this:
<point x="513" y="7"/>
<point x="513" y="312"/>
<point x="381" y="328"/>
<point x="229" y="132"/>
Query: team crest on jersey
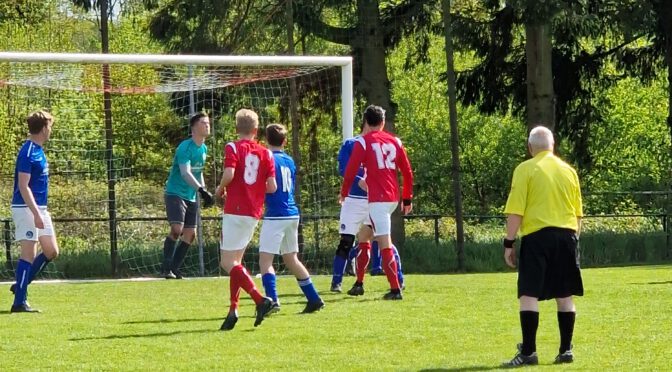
<point x="342" y="227"/>
<point x="29" y="234"/>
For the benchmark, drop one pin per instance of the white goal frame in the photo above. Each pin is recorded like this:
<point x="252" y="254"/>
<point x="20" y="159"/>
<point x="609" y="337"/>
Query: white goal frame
<point x="345" y="63"/>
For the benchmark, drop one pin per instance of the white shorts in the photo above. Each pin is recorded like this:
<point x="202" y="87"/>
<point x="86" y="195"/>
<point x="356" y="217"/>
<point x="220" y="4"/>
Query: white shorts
<point x="279" y="236"/>
<point x="354" y="213"/>
<point x="24" y="224"/>
<point x="380" y="214"/>
<point x="237" y="231"/>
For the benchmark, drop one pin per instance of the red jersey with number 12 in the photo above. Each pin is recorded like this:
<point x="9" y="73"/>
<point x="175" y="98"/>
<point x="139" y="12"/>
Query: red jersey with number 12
<point x="381" y="154"/>
<point x="252" y="164"/>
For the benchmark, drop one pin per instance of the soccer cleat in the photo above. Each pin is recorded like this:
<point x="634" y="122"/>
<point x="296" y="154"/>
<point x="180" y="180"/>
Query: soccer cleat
<point x="336" y="287"/>
<point x="520" y="360"/>
<point x="565" y="357"/>
<point x="313" y="306"/>
<point x="229" y="322"/>
<point x="178" y="274"/>
<point x="275" y="308"/>
<point x="12" y="288"/>
<point x="356" y="290"/>
<point x="262" y="310"/>
<point x="169" y="275"/>
<point x="23" y="308"/>
<point x="393" y="296"/>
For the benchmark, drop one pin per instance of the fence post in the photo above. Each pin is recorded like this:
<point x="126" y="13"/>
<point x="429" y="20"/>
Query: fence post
<point x="8" y="244"/>
<point x="436" y="229"/>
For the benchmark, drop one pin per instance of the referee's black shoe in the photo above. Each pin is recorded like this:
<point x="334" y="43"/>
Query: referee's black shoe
<point x="229" y="322"/>
<point x="565" y="357"/>
<point x="23" y="308"/>
<point x="262" y="310"/>
<point x="521" y="360"/>
<point x="356" y="290"/>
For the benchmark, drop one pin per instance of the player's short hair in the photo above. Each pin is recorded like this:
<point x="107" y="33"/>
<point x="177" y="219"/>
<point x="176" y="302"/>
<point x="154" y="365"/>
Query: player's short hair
<point x="246" y="121"/>
<point x="540" y="138"/>
<point x="196" y="117"/>
<point x="38" y="120"/>
<point x="276" y="134"/>
<point x="374" y="115"/>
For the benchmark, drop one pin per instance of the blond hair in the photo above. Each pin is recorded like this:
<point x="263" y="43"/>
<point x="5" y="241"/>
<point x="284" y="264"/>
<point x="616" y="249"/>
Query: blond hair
<point x="246" y="121"/>
<point x="38" y="120"/>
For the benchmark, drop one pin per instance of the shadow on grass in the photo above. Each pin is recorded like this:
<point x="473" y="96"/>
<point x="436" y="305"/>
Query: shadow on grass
<point x="161" y="321"/>
<point x="462" y="369"/>
<point x="143" y="335"/>
<point x="667" y="282"/>
<point x="5" y="312"/>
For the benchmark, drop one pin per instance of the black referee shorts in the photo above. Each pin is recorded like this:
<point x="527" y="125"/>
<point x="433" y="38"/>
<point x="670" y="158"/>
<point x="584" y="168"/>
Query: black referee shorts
<point x="548" y="266"/>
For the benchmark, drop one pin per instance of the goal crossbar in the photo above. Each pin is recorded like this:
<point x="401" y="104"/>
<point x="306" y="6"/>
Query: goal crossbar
<point x="345" y="63"/>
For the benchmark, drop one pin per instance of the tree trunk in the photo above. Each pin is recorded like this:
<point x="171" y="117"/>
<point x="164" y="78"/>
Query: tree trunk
<point x="454" y="136"/>
<point x="375" y="84"/>
<point x="540" y="94"/>
<point x="667" y="27"/>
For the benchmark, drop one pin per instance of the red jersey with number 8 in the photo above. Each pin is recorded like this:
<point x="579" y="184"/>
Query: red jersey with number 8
<point x="252" y="164"/>
<point x="381" y="154"/>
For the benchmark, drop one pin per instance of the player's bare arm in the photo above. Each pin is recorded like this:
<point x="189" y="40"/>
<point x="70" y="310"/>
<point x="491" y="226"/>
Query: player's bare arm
<point x="27" y="195"/>
<point x="513" y="222"/>
<point x="227" y="177"/>
<point x="271" y="185"/>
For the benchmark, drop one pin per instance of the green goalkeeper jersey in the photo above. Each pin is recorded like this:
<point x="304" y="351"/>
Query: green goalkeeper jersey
<point x="187" y="153"/>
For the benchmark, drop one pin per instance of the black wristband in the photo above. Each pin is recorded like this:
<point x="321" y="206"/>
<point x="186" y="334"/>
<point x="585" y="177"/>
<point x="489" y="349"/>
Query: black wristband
<point x="406" y="202"/>
<point x="508" y="243"/>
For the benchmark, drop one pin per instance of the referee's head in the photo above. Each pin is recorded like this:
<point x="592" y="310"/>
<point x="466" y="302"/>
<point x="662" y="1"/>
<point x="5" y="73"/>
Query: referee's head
<point x="540" y="139"/>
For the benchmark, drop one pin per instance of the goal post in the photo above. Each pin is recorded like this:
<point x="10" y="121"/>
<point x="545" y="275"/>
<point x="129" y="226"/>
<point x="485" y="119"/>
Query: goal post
<point x="157" y="94"/>
<point x="345" y="63"/>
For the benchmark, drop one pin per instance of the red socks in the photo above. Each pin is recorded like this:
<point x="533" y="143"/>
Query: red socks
<point x="363" y="260"/>
<point x="390" y="267"/>
<point x="240" y="278"/>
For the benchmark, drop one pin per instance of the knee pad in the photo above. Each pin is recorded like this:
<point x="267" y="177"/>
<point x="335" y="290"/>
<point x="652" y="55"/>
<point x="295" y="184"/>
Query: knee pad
<point x="344" y="246"/>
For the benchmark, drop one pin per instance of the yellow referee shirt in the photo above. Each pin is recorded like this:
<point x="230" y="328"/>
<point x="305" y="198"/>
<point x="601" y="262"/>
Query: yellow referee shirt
<point x="545" y="191"/>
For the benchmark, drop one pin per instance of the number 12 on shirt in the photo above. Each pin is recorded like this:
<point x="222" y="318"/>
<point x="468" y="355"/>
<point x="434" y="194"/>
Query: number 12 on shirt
<point x="385" y="155"/>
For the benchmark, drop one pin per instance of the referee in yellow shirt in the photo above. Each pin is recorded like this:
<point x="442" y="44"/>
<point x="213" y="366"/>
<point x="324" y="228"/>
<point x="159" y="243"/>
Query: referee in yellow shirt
<point x="545" y="206"/>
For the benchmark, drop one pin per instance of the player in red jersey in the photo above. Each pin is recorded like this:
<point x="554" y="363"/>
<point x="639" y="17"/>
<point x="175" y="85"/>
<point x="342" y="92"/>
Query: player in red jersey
<point x="381" y="154"/>
<point x="249" y="173"/>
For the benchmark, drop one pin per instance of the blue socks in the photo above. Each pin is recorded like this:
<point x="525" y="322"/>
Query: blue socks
<point x="376" y="260"/>
<point x="22" y="275"/>
<point x="39" y="263"/>
<point x="400" y="275"/>
<point x="308" y="289"/>
<point x="268" y="280"/>
<point x="338" y="269"/>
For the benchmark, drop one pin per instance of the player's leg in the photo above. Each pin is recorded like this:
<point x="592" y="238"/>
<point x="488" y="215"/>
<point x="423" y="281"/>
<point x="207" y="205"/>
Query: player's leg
<point x="566" y="319"/>
<point x="176" y="211"/>
<point x="237" y="232"/>
<point x="400" y="273"/>
<point x="381" y="220"/>
<point x="353" y="212"/>
<point x="270" y="236"/>
<point x="48" y="244"/>
<point x="363" y="256"/>
<point x="289" y="250"/>
<point x="376" y="262"/>
<point x="27" y="235"/>
<point x="186" y="239"/>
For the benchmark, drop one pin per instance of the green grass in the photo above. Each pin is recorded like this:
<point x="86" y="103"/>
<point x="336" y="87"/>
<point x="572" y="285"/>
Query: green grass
<point x="447" y="322"/>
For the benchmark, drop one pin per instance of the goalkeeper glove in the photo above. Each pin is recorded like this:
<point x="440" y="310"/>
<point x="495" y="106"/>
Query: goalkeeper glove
<point x="206" y="196"/>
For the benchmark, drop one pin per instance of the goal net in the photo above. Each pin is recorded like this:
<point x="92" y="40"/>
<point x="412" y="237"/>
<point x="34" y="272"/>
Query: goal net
<point x="108" y="166"/>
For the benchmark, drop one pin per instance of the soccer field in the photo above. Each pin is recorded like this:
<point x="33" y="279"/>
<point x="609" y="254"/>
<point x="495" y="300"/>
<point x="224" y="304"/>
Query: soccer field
<point x="445" y="322"/>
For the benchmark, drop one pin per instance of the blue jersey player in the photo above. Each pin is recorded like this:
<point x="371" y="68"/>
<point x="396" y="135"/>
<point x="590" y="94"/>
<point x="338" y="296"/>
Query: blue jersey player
<point x="354" y="219"/>
<point x="32" y="221"/>
<point x="279" y="231"/>
<point x="184" y="180"/>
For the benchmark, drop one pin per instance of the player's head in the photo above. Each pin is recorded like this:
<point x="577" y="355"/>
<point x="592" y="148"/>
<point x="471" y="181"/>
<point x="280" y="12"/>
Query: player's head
<point x="40" y="122"/>
<point x="200" y="124"/>
<point x="374" y="116"/>
<point x="540" y="139"/>
<point x="247" y="122"/>
<point x="276" y="135"/>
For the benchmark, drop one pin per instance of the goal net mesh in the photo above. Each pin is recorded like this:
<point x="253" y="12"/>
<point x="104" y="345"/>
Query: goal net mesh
<point x="151" y="105"/>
